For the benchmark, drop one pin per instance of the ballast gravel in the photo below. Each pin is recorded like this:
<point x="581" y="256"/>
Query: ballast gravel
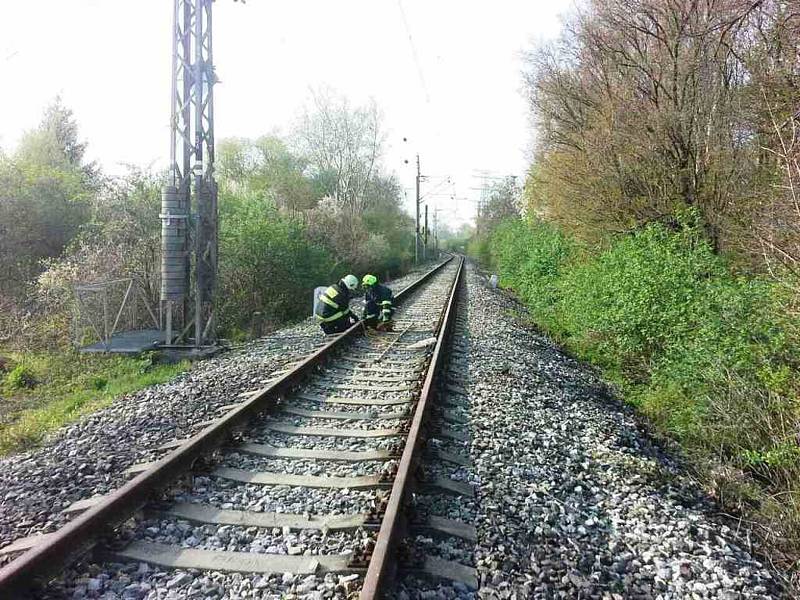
<point x="132" y="581"/>
<point x="230" y="495"/>
<point x="88" y="458"/>
<point x="575" y="499"/>
<point x="253" y="539"/>
<point x="457" y="508"/>
<point x="357" y="412"/>
<point x="294" y="466"/>
<point x="327" y="423"/>
<point x="283" y="440"/>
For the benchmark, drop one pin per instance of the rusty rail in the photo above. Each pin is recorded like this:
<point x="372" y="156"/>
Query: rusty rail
<point x="79" y="535"/>
<point x="381" y="566"/>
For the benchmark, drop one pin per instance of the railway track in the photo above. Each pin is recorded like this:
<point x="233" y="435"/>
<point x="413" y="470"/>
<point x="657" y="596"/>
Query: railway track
<point x="303" y="485"/>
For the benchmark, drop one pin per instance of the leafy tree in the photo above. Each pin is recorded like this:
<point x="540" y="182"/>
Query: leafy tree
<point x="645" y="108"/>
<point x="267" y="262"/>
<point x="502" y="201"/>
<point x="370" y="233"/>
<point x="343" y="146"/>
<point x="45" y="194"/>
<point x="359" y="216"/>
<point x="56" y="143"/>
<point x="266" y="165"/>
<point x="385" y="217"/>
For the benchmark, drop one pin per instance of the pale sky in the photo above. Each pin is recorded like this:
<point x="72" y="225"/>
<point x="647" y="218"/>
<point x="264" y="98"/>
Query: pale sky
<point x="460" y="104"/>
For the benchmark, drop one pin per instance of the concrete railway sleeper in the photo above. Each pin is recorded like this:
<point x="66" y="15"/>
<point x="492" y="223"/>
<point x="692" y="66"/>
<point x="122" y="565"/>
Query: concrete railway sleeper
<point x="300" y="485"/>
<point x="441" y="538"/>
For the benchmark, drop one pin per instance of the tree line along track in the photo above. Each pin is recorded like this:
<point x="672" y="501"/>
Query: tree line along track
<point x="328" y="446"/>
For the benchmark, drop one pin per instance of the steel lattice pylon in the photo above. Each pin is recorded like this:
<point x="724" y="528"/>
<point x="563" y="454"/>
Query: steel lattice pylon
<point x="189" y="239"/>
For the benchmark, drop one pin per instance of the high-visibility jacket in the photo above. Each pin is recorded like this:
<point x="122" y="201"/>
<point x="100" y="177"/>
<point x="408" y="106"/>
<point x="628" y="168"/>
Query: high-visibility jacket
<point x="334" y="303"/>
<point x="378" y="302"/>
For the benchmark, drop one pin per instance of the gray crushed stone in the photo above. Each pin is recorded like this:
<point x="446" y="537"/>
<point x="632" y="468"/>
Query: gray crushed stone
<point x="88" y="458"/>
<point x="576" y="500"/>
<point x="216" y="491"/>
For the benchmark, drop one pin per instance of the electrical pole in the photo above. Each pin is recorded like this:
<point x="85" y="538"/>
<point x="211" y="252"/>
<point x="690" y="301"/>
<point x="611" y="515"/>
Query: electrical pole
<point x="416" y="229"/>
<point x="425" y="246"/>
<point x="436" y="212"/>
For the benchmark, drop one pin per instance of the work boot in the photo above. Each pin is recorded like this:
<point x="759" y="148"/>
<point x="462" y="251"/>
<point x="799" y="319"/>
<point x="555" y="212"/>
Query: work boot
<point x="385" y="326"/>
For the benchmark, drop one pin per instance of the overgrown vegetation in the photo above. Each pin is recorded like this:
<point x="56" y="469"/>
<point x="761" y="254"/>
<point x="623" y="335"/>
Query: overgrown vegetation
<point x="267" y="262"/>
<point x="46" y="390"/>
<point x="295" y="212"/>
<point x="662" y="225"/>
<point x="708" y="355"/>
<point x="645" y="107"/>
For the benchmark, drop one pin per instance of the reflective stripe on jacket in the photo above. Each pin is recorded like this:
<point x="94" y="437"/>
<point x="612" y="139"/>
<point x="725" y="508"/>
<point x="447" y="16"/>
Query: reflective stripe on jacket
<point x="379" y="300"/>
<point x="334" y="303"/>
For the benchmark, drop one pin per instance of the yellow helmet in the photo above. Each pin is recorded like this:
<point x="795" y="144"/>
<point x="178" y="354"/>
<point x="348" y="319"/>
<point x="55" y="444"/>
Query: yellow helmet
<point x="368" y="280"/>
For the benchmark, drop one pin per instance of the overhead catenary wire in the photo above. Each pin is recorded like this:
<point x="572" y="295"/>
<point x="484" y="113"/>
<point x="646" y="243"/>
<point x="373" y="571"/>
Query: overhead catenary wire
<point x="432" y="191"/>
<point x="414" y="54"/>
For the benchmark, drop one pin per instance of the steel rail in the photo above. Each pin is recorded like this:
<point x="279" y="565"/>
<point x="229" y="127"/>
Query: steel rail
<point x="381" y="566"/>
<point x="75" y="538"/>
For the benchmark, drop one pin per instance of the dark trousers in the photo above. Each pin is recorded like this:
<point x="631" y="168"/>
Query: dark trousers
<point x="371" y="313"/>
<point x="337" y="326"/>
<point x="373" y="308"/>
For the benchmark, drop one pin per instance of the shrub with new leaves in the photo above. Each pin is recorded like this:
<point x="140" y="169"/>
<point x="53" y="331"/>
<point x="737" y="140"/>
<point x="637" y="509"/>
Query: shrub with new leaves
<point x="708" y="354"/>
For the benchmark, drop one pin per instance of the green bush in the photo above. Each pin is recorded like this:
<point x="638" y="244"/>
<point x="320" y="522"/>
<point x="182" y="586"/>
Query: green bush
<point x="21" y="377"/>
<point x="530" y="258"/>
<point x="641" y="298"/>
<point x="98" y="382"/>
<point x="478" y="248"/>
<point x="705" y="353"/>
<point x="267" y="263"/>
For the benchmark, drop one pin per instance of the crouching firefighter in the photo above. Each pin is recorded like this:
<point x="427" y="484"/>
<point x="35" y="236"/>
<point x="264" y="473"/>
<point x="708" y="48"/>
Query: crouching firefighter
<point x="378" y="304"/>
<point x="333" y="309"/>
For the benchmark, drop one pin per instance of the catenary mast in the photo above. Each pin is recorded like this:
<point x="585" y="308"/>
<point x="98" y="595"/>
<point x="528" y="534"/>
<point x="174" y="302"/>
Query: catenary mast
<point x="189" y="219"/>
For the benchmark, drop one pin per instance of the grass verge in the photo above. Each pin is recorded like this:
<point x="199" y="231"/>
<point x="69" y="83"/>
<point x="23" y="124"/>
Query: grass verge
<point x="44" y="391"/>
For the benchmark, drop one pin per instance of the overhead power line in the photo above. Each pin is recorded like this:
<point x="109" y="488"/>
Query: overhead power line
<point x="435" y="189"/>
<point x="414" y="52"/>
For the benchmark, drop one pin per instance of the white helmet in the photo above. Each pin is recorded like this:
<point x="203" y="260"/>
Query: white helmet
<point x="351" y="282"/>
